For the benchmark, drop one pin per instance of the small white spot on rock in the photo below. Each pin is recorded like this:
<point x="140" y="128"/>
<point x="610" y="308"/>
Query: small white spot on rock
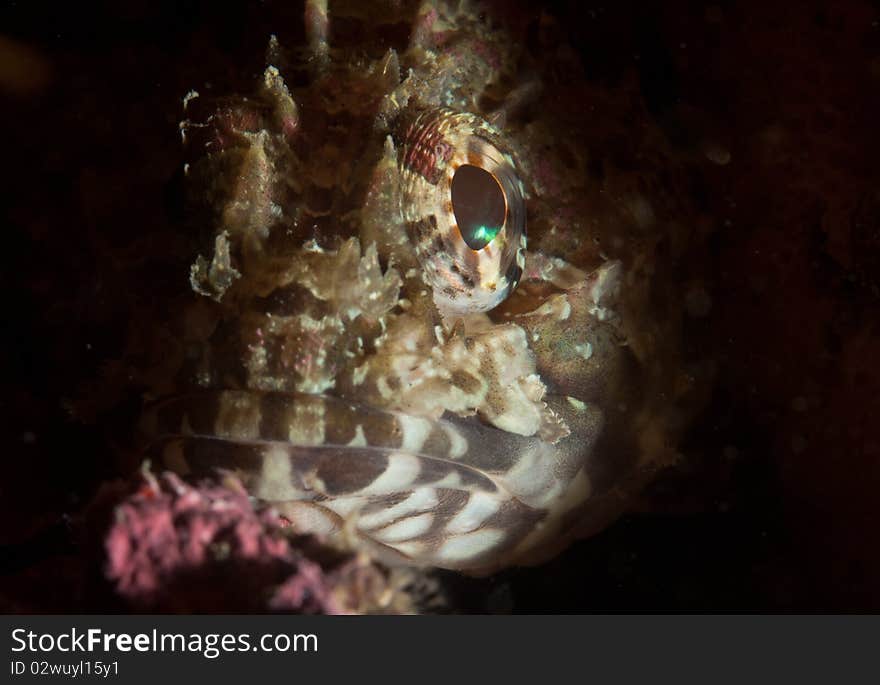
<point x="189" y="97"/>
<point x="359" y="374"/>
<point x="584" y="350"/>
<point x="576" y="403"/>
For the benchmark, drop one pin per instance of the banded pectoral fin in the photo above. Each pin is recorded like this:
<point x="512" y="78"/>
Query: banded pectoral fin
<point x="452" y="493"/>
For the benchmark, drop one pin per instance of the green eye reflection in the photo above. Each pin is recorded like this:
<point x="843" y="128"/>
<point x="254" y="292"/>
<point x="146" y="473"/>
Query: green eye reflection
<point x="479" y="205"/>
<point x="485" y="235"/>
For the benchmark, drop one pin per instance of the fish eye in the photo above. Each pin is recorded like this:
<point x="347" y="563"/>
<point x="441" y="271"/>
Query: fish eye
<point x="464" y="207"/>
<point x="479" y="205"/>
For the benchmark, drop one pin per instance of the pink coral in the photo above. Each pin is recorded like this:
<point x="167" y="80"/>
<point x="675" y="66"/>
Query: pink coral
<point x="176" y="547"/>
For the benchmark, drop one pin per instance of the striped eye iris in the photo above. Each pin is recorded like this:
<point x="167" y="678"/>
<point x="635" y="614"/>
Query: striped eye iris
<point x="479" y="205"/>
<point x="464" y="207"/>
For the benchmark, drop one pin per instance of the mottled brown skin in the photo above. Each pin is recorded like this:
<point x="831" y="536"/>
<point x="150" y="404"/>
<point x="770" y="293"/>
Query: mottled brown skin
<point x="317" y="296"/>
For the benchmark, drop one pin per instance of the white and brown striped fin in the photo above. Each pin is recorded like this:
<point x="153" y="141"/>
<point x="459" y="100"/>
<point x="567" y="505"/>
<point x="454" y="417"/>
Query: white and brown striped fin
<point x="450" y="493"/>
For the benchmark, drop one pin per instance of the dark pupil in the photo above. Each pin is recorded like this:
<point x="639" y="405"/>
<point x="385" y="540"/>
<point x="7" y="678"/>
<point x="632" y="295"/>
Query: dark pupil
<point x="478" y="204"/>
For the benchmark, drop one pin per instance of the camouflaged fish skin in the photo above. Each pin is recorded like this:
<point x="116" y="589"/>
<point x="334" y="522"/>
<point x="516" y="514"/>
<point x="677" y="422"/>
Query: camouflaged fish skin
<point x="358" y="362"/>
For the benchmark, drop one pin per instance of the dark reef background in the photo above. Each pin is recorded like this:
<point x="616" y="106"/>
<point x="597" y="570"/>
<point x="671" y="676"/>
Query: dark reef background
<point x="776" y="506"/>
